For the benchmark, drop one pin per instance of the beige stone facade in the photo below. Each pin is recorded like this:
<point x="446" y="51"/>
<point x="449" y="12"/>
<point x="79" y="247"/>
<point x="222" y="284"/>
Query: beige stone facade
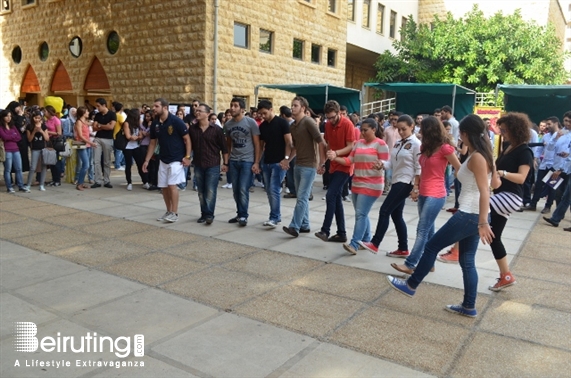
<point x="167" y="48"/>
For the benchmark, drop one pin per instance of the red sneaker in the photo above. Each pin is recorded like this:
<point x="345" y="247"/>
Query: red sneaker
<point x="452" y="210"/>
<point x="504" y="281"/>
<point x="369" y="247"/>
<point x="398" y="253"/>
<point x="450" y="257"/>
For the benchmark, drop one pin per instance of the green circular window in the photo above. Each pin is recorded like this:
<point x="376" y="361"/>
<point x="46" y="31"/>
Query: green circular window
<point x="75" y="47"/>
<point x="113" y="42"/>
<point x="44" y="51"/>
<point x="17" y="54"/>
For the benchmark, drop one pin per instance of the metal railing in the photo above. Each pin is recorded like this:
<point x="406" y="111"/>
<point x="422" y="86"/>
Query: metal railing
<point x="378" y="106"/>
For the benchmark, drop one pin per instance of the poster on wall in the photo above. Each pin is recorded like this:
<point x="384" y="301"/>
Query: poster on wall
<point x="492" y="113"/>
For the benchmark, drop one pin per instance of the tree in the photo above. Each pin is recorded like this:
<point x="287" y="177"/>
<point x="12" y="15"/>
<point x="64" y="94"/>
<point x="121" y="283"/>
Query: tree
<point x="475" y="52"/>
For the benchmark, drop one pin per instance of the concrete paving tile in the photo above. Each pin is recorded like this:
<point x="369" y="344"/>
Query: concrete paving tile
<point x="79" y="291"/>
<point x="273" y="265"/>
<point x="300" y="309"/>
<point x="28" y="227"/>
<point x="153" y="368"/>
<point x="211" y="251"/>
<point x="344" y="281"/>
<point x="151" y="312"/>
<point x="45" y="211"/>
<point x="123" y="211"/>
<point x="116" y="227"/>
<point x="429" y="301"/>
<point x="244" y="236"/>
<point x="79" y="219"/>
<point x="532" y="292"/>
<point x="415" y="341"/>
<point x="520" y="321"/>
<point x="219" y="227"/>
<point x="101" y="252"/>
<point x="220" y="287"/>
<point x="307" y="245"/>
<point x="8" y="217"/>
<point x="549" y="250"/>
<point x="243" y="347"/>
<point x="329" y="360"/>
<point x="155" y="268"/>
<point x="50" y="242"/>
<point x="66" y="328"/>
<point x="90" y="205"/>
<point x="14" y="309"/>
<point x="23" y="272"/>
<point x="10" y="251"/>
<point x="19" y="205"/>
<point x="543" y="270"/>
<point x="160" y="239"/>
<point x="496" y="356"/>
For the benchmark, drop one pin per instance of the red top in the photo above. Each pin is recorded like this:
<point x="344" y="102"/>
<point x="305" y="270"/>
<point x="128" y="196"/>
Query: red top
<point x="432" y="172"/>
<point x="337" y="137"/>
<point x="84" y="132"/>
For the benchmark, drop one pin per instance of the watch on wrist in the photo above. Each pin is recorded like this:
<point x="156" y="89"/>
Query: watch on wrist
<point x="415" y="191"/>
<point x="287" y="157"/>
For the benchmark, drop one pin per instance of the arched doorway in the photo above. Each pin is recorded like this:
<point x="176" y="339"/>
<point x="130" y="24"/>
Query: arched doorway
<point x="96" y="82"/>
<point x="30" y="88"/>
<point x="61" y="85"/>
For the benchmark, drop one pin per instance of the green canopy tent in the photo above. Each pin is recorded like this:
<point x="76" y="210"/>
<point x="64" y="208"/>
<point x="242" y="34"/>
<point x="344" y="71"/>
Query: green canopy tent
<point x="319" y="94"/>
<point x="537" y="101"/>
<point x="414" y="98"/>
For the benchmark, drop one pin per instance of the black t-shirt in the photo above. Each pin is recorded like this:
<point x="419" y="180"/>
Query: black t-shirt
<point x="104" y="120"/>
<point x="272" y="134"/>
<point x="170" y="137"/>
<point x="38" y="143"/>
<point x="189" y="118"/>
<point x="510" y="162"/>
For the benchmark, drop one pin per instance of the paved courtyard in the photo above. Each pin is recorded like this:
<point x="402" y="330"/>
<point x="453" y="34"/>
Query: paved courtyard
<point x="223" y="301"/>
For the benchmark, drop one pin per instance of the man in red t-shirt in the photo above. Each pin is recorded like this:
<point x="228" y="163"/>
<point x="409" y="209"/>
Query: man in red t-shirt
<point x="340" y="137"/>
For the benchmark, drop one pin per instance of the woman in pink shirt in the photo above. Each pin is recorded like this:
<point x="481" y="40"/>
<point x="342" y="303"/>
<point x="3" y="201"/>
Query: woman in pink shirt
<point x="54" y="130"/>
<point x="368" y="182"/>
<point x="10" y="135"/>
<point x="435" y="153"/>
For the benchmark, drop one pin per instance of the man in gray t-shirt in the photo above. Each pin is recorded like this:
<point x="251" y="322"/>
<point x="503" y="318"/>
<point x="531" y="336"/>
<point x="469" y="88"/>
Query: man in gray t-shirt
<point x="243" y="138"/>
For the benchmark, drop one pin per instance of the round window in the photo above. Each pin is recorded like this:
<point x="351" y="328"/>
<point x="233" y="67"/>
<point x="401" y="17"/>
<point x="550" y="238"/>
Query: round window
<point x="113" y="42"/>
<point x="44" y="51"/>
<point x="17" y="54"/>
<point x="75" y="47"/>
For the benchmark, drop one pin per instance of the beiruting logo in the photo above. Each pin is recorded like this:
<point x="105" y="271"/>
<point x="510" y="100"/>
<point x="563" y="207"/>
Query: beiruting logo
<point x="25" y="340"/>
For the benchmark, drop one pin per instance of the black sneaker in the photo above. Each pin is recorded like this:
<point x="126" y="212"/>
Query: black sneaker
<point x="530" y="207"/>
<point x="548" y="220"/>
<point x="321" y="235"/>
<point x="209" y="220"/>
<point x="338" y="238"/>
<point x="546" y="210"/>
<point x="291" y="231"/>
<point x="201" y="220"/>
<point x="108" y="185"/>
<point x="233" y="220"/>
<point x="311" y="197"/>
<point x="242" y="222"/>
<point x="96" y="185"/>
<point x="304" y="231"/>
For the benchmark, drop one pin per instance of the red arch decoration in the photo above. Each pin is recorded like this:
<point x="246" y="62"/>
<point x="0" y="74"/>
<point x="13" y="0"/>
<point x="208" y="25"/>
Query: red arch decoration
<point x="96" y="78"/>
<point x="61" y="81"/>
<point x="30" y="84"/>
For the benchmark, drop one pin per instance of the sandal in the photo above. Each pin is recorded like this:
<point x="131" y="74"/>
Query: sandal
<point x="85" y="186"/>
<point x="402" y="268"/>
<point x="79" y="187"/>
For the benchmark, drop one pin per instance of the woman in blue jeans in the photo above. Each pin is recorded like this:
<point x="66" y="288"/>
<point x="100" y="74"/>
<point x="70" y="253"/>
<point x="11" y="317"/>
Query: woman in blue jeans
<point x="81" y="134"/>
<point x="10" y="135"/>
<point x="429" y="189"/>
<point x="469" y="224"/>
<point x="405" y="166"/>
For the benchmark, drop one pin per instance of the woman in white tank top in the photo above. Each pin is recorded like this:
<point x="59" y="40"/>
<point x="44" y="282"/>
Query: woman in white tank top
<point x="469" y="224"/>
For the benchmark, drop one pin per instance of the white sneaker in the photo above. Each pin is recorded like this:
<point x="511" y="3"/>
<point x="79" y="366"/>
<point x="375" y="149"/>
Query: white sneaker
<point x="26" y="189"/>
<point x="229" y="186"/>
<point x="271" y="223"/>
<point x="130" y="187"/>
<point x="281" y="189"/>
<point x="146" y="186"/>
<point x="225" y="186"/>
<point x="346" y="199"/>
<point x="287" y="190"/>
<point x="121" y="168"/>
<point x="42" y="188"/>
<point x="258" y="184"/>
<point x="171" y="218"/>
<point x="164" y="216"/>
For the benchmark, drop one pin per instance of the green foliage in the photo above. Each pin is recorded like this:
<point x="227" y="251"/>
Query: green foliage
<point x="475" y="52"/>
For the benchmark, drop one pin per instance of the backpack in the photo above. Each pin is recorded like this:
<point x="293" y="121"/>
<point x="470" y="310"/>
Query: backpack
<point x="120" y="141"/>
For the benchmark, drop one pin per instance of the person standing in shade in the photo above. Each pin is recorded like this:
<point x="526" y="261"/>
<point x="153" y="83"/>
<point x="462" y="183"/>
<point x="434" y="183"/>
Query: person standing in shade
<point x="243" y="138"/>
<point x="175" y="146"/>
<point x="209" y="142"/>
<point x="103" y="125"/>
<point x="276" y="144"/>
<point x="306" y="138"/>
<point x="340" y="137"/>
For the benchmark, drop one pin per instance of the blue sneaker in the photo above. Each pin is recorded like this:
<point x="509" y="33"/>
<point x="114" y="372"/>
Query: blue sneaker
<point x="401" y="286"/>
<point x="458" y="309"/>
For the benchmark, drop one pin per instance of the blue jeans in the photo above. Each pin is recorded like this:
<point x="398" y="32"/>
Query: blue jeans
<point x="83" y="161"/>
<point x="241" y="181"/>
<point x="273" y="177"/>
<point x="304" y="177"/>
<point x="563" y="205"/>
<point x="290" y="177"/>
<point x="362" y="231"/>
<point x="457" y="190"/>
<point x="393" y="207"/>
<point x="334" y="203"/>
<point x="462" y="227"/>
<point x="36" y="155"/>
<point x="428" y="209"/>
<point x="207" y="187"/>
<point x="119" y="158"/>
<point x="13" y="160"/>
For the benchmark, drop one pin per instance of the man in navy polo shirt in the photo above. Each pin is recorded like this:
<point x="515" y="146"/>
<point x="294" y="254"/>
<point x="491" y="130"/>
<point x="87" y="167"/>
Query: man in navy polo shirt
<point x="174" y="155"/>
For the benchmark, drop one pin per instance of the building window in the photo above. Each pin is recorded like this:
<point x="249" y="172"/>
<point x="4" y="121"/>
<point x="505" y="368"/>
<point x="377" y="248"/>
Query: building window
<point x="381" y="19"/>
<point x="28" y="3"/>
<point x="266" y="40"/>
<point x="44" y="51"/>
<point x="393" y="24"/>
<point x="241" y="35"/>
<point x="366" y="12"/>
<point x="5" y="6"/>
<point x="17" y="54"/>
<point x="331" y="55"/>
<point x="113" y="42"/>
<point x="315" y="53"/>
<point x="351" y="10"/>
<point x="332" y="6"/>
<point x="245" y="98"/>
<point x="402" y="28"/>
<point x="75" y="47"/>
<point x="298" y="49"/>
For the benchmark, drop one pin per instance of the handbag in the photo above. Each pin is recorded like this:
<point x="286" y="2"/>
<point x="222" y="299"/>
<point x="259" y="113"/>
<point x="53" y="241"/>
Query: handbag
<point x="49" y="156"/>
<point x="2" y="152"/>
<point x="67" y="149"/>
<point x="58" y="143"/>
<point x="120" y="141"/>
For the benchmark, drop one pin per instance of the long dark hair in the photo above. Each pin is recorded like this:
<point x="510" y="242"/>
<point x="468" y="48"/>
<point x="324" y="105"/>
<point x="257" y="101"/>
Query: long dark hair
<point x="32" y="125"/>
<point x="3" y="114"/>
<point x="475" y="130"/>
<point x="151" y="114"/>
<point x="373" y="124"/>
<point x="433" y="135"/>
<point x="133" y="117"/>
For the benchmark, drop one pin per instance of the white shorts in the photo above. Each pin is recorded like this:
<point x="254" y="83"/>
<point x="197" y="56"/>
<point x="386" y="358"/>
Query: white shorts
<point x="171" y="174"/>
